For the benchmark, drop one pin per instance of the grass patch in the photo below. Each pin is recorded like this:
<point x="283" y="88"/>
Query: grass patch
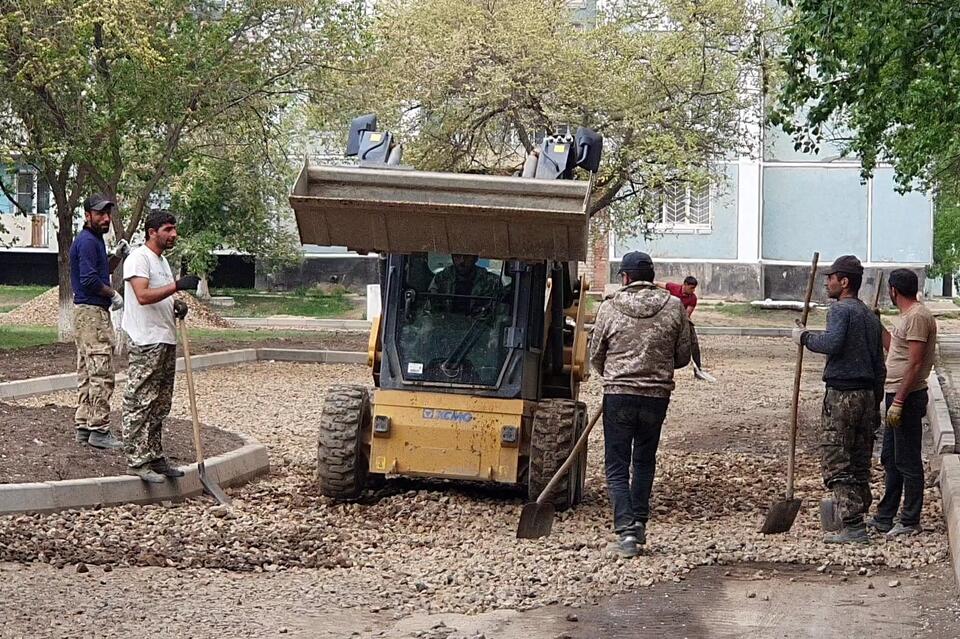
<point x="13" y="296"/>
<point x="310" y="303"/>
<point x="24" y="336"/>
<point x="738" y="310"/>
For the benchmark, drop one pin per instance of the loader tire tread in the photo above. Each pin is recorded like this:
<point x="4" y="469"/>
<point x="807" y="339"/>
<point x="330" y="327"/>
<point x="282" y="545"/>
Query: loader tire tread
<point x="342" y="463"/>
<point x="554" y="433"/>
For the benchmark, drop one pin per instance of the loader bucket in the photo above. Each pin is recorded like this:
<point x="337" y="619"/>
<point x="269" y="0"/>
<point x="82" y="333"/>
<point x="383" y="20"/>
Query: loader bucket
<point x="390" y="210"/>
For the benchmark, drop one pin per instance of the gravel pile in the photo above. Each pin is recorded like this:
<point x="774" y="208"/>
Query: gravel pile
<point x="452" y="546"/>
<point x="43" y="310"/>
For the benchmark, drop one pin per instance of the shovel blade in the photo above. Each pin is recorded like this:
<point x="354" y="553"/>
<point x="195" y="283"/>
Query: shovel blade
<point x="536" y="520"/>
<point x="780" y="517"/>
<point x="214" y="490"/>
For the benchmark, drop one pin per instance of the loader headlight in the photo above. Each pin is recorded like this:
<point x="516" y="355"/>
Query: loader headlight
<point x="381" y="426"/>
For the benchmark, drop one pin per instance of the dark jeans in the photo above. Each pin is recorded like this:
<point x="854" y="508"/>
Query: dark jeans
<point x="631" y="432"/>
<point x="695" y="347"/>
<point x="902" y="462"/>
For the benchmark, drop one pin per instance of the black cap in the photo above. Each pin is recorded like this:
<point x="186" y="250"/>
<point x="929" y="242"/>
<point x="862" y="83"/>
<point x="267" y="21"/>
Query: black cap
<point x="846" y="264"/>
<point x="634" y="261"/>
<point x="97" y="202"/>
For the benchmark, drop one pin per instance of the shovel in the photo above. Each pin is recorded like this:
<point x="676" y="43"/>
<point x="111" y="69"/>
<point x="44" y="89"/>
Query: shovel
<point x="782" y="514"/>
<point x="209" y="485"/>
<point x="536" y="518"/>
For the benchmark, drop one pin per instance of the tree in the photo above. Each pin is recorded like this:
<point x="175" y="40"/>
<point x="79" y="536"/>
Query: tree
<point x="886" y="71"/>
<point x="470" y="85"/>
<point x="117" y="96"/>
<point x="237" y="200"/>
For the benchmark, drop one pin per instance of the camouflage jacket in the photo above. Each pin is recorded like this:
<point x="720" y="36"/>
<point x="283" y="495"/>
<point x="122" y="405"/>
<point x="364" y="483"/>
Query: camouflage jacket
<point x="640" y="336"/>
<point x="484" y="282"/>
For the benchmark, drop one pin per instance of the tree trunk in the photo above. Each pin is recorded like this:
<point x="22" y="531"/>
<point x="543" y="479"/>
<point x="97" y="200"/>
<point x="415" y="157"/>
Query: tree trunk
<point x="203" y="289"/>
<point x="64" y="240"/>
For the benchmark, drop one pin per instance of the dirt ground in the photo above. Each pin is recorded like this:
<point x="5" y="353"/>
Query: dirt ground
<point x="56" y="359"/>
<point x="36" y="444"/>
<point x="436" y="560"/>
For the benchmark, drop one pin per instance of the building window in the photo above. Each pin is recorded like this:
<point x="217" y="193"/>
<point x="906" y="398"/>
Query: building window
<point x="681" y="207"/>
<point x="43" y="196"/>
<point x="25" y="186"/>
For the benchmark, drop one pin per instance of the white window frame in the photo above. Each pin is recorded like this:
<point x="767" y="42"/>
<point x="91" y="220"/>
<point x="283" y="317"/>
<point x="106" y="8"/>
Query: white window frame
<point x="662" y="226"/>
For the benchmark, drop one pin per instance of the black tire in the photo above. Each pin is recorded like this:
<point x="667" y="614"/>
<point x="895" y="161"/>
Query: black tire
<point x="342" y="458"/>
<point x="554" y="433"/>
<point x="581" y="464"/>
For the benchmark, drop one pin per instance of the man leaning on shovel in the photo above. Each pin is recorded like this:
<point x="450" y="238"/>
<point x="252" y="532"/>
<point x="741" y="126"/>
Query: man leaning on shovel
<point x="149" y="322"/>
<point x="854" y="377"/>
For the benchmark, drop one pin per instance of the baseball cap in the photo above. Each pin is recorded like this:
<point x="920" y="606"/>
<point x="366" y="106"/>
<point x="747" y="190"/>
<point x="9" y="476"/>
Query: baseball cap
<point x="635" y="260"/>
<point x="846" y="264"/>
<point x="97" y="202"/>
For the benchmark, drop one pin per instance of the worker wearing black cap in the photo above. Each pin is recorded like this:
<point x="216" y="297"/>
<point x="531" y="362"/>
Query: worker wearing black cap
<point x="93" y="298"/>
<point x="640" y="336"/>
<point x="854" y="377"/>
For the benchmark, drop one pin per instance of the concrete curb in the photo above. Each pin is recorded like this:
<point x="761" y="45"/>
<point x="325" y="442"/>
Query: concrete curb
<point x="938" y="415"/>
<point x="230" y="469"/>
<point x="950" y="494"/>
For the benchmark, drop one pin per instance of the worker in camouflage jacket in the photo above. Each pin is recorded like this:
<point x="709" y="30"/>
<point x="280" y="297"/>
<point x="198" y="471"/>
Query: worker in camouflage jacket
<point x="854" y="377"/>
<point x="640" y="336"/>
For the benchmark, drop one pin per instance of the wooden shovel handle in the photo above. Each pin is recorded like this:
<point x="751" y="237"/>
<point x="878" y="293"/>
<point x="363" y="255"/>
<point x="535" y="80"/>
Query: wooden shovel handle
<point x="569" y="461"/>
<point x="191" y="392"/>
<point x="795" y="405"/>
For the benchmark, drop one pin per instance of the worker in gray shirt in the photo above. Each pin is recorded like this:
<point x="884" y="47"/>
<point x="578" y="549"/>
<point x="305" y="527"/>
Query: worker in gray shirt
<point x="854" y="377"/>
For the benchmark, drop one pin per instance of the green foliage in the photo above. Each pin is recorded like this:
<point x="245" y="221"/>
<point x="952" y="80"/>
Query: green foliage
<point x="468" y="85"/>
<point x="946" y="235"/>
<point x="309" y="304"/>
<point x="120" y="95"/>
<point x="887" y="70"/>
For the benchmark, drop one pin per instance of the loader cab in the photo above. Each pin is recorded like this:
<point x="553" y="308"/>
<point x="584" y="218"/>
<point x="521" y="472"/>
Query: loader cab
<point x="462" y="323"/>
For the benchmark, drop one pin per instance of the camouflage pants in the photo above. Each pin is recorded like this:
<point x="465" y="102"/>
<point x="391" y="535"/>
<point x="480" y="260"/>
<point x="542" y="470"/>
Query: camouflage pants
<point x="93" y="335"/>
<point x="847" y="426"/>
<point x="146" y="400"/>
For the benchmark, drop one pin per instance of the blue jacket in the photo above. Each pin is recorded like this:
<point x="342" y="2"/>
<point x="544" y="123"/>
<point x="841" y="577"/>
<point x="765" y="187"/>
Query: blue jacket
<point x="89" y="269"/>
<point x="853" y="346"/>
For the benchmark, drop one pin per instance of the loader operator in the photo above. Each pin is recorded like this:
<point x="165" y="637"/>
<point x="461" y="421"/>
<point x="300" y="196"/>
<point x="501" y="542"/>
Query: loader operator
<point x="464" y="279"/>
<point x="639" y="338"/>
<point x="854" y="377"/>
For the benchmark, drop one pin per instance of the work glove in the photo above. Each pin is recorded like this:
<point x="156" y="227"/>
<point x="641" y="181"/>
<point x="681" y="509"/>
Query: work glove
<point x="894" y="414"/>
<point x="186" y="282"/>
<point x="797" y="334"/>
<point x="180" y="309"/>
<point x="116" y="302"/>
<point x="122" y="249"/>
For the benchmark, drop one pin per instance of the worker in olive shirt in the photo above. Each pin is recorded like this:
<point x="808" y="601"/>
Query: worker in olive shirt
<point x="911" y="351"/>
<point x="854" y="377"/>
<point x="640" y="336"/>
<point x="93" y="298"/>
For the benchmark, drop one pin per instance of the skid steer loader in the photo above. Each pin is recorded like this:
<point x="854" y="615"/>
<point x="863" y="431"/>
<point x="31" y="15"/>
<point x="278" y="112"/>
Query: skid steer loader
<point x="480" y="349"/>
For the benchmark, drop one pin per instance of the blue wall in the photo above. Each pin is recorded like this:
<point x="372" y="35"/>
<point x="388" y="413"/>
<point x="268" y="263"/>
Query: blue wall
<point x="720" y="242"/>
<point x="813" y="209"/>
<point x="902" y="229"/>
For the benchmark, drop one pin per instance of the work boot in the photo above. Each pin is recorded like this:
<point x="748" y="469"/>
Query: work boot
<point x="879" y="525"/>
<point x="849" y="535"/>
<point x="627" y="546"/>
<point x="163" y="467"/>
<point x="900" y="529"/>
<point x="639" y="530"/>
<point x="81" y="435"/>
<point x="105" y="440"/>
<point x="147" y="474"/>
